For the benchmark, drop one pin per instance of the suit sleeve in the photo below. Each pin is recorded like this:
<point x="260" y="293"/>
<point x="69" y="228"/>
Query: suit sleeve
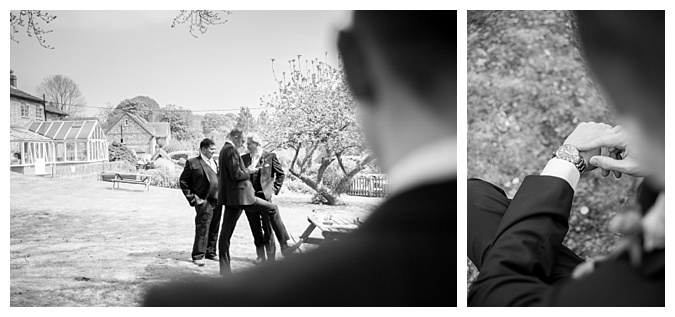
<point x="526" y="245"/>
<point x="185" y="182"/>
<point x="235" y="165"/>
<point x="278" y="174"/>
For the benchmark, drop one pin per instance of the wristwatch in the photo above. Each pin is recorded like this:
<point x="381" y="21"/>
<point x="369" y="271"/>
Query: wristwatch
<point x="571" y="154"/>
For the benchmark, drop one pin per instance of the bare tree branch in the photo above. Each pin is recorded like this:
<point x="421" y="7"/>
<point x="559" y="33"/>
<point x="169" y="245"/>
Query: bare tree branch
<point x="199" y="20"/>
<point x="30" y="19"/>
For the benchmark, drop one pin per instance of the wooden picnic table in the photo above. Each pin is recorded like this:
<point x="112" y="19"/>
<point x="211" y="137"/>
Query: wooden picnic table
<point x="131" y="178"/>
<point x="332" y="228"/>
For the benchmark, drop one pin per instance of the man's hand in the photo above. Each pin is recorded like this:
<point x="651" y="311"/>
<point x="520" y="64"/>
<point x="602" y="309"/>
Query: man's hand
<point x="583" y="135"/>
<point x="198" y="201"/>
<point x="621" y="158"/>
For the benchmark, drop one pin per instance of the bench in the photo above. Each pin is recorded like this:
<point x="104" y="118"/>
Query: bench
<point x="332" y="228"/>
<point x="139" y="179"/>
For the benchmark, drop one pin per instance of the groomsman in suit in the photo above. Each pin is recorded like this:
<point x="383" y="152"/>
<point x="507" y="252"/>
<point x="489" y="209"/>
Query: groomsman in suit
<point x="267" y="182"/>
<point x="199" y="183"/>
<point x="517" y="243"/>
<point x="402" y="69"/>
<point x="237" y="194"/>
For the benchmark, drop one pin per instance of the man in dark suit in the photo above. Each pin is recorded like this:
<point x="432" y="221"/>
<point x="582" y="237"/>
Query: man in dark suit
<point x="402" y="68"/>
<point x="517" y="243"/>
<point x="199" y="183"/>
<point x="237" y="193"/>
<point x="267" y="182"/>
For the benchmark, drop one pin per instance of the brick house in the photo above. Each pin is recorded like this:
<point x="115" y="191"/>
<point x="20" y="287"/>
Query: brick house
<point x="26" y="108"/>
<point x="138" y="134"/>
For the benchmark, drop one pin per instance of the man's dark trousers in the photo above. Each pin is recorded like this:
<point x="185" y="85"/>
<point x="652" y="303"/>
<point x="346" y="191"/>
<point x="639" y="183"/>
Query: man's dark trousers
<point x="207" y="224"/>
<point x="230" y="217"/>
<point x="261" y="228"/>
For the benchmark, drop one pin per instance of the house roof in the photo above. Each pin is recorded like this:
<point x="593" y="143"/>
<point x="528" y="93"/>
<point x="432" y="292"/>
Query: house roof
<point x="14" y="92"/>
<point x="82" y="118"/>
<point x="140" y="121"/>
<point x="52" y="109"/>
<point x="161" y="129"/>
<point x="69" y="130"/>
<point x="19" y="134"/>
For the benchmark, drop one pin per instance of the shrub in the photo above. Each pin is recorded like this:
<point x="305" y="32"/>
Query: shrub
<point x="120" y="152"/>
<point x="164" y="177"/>
<point x="177" y="155"/>
<point x="295" y="185"/>
<point x="162" y="163"/>
<point x="182" y="145"/>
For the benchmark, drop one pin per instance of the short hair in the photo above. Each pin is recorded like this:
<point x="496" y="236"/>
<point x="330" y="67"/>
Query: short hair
<point x="206" y="143"/>
<point x="235" y="132"/>
<point x="419" y="46"/>
<point x="254" y="137"/>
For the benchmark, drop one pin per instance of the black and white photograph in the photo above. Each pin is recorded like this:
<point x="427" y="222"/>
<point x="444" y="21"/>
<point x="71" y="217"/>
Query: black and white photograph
<point x="139" y="138"/>
<point x="566" y="158"/>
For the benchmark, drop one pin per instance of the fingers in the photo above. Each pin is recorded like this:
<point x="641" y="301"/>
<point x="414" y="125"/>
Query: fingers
<point x="610" y="163"/>
<point x="612" y="139"/>
<point x="615" y="155"/>
<point x="604" y="152"/>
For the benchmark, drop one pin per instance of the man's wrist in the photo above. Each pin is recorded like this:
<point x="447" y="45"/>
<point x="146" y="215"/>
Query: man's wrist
<point x="562" y="169"/>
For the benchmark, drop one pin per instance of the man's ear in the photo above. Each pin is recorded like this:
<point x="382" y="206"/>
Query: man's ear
<point x="354" y="62"/>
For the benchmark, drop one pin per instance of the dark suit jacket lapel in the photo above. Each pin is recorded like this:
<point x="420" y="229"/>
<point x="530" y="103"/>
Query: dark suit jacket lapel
<point x="204" y="167"/>
<point x="246" y="158"/>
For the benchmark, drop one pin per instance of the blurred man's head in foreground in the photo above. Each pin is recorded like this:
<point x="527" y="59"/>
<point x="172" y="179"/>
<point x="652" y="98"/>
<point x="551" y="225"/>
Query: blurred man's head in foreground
<point x="626" y="52"/>
<point x="402" y="68"/>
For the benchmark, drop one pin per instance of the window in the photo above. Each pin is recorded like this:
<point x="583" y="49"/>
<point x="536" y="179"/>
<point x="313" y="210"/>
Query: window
<point x="39" y="113"/>
<point x="70" y="151"/>
<point x="60" y="152"/>
<point x="15" y="153"/>
<point x="25" y="110"/>
<point x="82" y="151"/>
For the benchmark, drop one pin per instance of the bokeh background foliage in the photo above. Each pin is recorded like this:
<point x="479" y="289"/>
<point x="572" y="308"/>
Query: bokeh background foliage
<point x="528" y="88"/>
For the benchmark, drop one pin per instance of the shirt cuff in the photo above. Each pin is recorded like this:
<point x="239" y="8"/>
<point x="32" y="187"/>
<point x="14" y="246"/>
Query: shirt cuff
<point x="562" y="169"/>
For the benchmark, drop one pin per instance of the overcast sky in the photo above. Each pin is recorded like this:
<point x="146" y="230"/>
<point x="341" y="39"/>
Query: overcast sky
<point x="116" y="55"/>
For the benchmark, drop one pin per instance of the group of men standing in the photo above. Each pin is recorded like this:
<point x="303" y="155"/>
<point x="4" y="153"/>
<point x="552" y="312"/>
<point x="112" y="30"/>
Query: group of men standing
<point x="237" y="183"/>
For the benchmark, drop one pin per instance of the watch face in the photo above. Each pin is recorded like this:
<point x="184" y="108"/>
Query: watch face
<point x="567" y="152"/>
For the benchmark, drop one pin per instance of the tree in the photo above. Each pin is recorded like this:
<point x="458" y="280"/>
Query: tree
<point x="200" y="19"/>
<point x="182" y="122"/>
<point x="246" y="121"/>
<point x="149" y="103"/>
<point x="314" y="113"/>
<point x="63" y="92"/>
<point x="218" y="122"/>
<point x="30" y="19"/>
<point x="107" y="115"/>
<point x="141" y="106"/>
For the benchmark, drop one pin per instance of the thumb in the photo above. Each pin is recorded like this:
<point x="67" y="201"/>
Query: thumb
<point x="609" y="163"/>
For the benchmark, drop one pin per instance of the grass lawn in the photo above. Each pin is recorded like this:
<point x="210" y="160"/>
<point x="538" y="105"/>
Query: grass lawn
<point x="77" y="242"/>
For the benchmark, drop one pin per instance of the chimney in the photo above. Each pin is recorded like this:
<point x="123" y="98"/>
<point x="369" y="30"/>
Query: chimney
<point x="12" y="79"/>
<point x="151" y="116"/>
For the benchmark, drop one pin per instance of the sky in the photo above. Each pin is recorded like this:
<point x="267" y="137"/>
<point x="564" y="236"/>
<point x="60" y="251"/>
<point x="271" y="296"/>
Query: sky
<point x="117" y="55"/>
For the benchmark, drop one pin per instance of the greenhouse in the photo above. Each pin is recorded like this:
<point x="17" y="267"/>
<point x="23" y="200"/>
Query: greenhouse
<point x="59" y="142"/>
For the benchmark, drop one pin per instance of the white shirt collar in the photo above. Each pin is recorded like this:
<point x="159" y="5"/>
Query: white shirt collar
<point x="432" y="162"/>
<point x="206" y="159"/>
